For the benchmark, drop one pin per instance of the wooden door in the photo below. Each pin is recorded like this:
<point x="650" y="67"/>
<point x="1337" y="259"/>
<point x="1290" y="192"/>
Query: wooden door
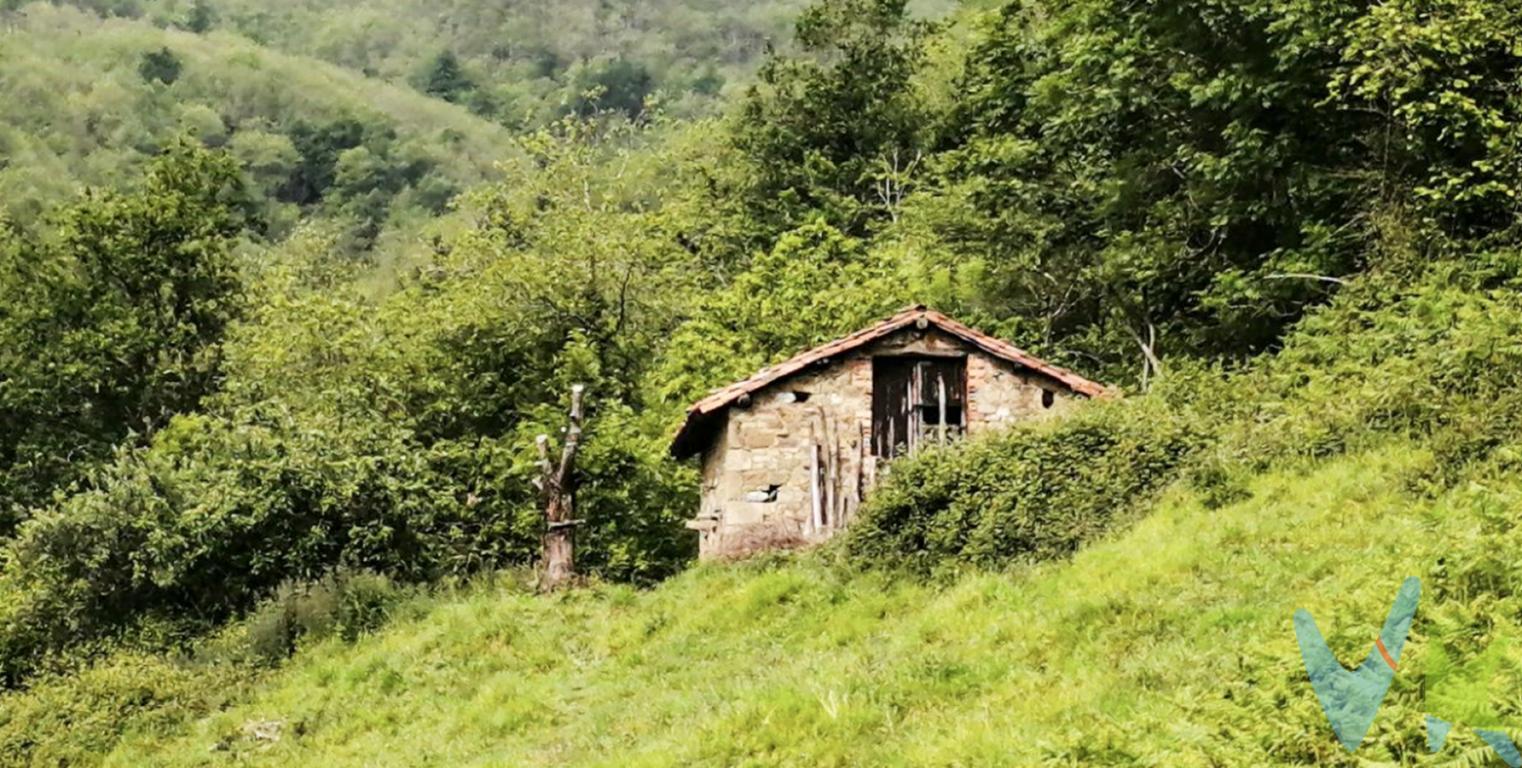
<point x="917" y="401"/>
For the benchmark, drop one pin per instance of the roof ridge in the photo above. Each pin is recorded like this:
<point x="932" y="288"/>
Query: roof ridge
<point x="721" y="398"/>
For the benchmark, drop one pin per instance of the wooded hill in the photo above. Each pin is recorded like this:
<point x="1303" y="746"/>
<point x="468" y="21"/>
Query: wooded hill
<point x="241" y="471"/>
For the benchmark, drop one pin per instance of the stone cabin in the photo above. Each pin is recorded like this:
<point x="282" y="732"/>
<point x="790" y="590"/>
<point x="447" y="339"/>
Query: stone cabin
<point x="789" y="453"/>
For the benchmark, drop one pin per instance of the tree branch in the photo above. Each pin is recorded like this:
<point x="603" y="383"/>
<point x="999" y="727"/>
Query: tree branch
<point x="1305" y="276"/>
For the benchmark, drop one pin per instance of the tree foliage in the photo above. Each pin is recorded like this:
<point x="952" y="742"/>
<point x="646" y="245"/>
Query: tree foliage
<point x="446" y="80"/>
<point x="619" y="86"/>
<point x="397" y="438"/>
<point x="160" y="66"/>
<point x="819" y="129"/>
<point x="113" y="324"/>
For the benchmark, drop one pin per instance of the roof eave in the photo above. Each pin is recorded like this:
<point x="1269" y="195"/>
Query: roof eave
<point x="689" y="440"/>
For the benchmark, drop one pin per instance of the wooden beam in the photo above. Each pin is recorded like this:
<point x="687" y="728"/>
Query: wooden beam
<point x="816" y="511"/>
<point x="940" y="397"/>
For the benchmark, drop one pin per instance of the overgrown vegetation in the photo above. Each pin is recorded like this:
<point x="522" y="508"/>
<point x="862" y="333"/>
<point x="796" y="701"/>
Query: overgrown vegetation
<point x="1426" y="358"/>
<point x="1168" y="644"/>
<point x="1033" y="495"/>
<point x="114" y="324"/>
<point x="1288" y="229"/>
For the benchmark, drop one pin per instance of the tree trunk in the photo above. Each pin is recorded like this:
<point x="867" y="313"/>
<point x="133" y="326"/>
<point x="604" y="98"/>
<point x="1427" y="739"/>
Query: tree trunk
<point x="559" y="557"/>
<point x="558" y="486"/>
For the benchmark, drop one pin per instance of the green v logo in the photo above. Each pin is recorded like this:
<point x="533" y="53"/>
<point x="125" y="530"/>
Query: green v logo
<point x="1351" y="698"/>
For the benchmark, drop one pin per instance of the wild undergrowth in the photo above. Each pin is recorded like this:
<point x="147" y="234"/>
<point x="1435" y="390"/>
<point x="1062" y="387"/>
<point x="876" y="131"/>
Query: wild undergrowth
<point x="1433" y="359"/>
<point x="1318" y="479"/>
<point x="1169" y="644"/>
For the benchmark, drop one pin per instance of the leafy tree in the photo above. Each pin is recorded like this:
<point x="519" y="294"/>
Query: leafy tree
<point x="114" y="324"/>
<point x="815" y="285"/>
<point x="268" y="161"/>
<point x="1145" y="181"/>
<point x="619" y="85"/>
<point x="319" y="147"/>
<point x="817" y="128"/>
<point x="446" y="79"/>
<point x="204" y="124"/>
<point x="161" y="66"/>
<point x="201" y="17"/>
<point x="1426" y="71"/>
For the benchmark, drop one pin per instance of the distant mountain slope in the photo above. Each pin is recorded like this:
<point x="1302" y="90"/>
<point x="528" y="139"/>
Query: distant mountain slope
<point x="518" y="62"/>
<point x="91" y="99"/>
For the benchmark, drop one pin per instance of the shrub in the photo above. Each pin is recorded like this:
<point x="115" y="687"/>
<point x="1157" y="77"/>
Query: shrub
<point x="82" y="709"/>
<point x="73" y="719"/>
<point x="344" y="604"/>
<point x="216" y="515"/>
<point x="1032" y="493"/>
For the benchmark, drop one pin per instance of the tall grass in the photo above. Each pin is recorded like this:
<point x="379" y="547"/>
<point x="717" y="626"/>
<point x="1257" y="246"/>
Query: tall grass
<point x="1168" y="645"/>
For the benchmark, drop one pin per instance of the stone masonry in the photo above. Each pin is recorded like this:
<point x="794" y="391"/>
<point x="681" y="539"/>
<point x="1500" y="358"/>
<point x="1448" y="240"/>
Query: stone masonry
<point x="792" y="461"/>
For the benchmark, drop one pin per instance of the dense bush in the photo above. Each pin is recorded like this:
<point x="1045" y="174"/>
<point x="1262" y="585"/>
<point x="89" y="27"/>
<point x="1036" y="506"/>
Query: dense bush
<point x="1034" y="493"/>
<point x="73" y="719"/>
<point x="1430" y="358"/>
<point x="115" y="323"/>
<point x="216" y="514"/>
<point x="76" y="714"/>
<point x="343" y="604"/>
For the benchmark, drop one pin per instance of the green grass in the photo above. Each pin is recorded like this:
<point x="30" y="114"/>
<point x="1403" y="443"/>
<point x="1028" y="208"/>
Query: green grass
<point x="1125" y="655"/>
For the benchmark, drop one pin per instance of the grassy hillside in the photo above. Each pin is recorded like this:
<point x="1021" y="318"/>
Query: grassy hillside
<point x="1375" y="446"/>
<point x="1168" y="645"/>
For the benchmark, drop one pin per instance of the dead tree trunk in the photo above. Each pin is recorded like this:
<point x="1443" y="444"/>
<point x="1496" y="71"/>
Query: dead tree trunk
<point x="557" y="488"/>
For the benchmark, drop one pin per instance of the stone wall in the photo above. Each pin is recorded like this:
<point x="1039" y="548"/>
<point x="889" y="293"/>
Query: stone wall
<point x="810" y="435"/>
<point x="999" y="394"/>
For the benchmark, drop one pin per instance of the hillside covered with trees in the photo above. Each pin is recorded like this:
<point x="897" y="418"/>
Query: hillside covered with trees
<point x="269" y="389"/>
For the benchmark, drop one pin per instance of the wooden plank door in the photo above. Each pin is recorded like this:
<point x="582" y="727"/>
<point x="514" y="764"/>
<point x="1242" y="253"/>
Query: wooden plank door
<point x="916" y="401"/>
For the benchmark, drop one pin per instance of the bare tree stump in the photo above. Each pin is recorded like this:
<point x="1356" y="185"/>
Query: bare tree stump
<point x="557" y="488"/>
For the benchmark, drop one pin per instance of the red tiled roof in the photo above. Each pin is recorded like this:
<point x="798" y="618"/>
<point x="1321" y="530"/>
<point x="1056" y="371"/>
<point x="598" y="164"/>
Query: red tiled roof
<point x="704" y="413"/>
